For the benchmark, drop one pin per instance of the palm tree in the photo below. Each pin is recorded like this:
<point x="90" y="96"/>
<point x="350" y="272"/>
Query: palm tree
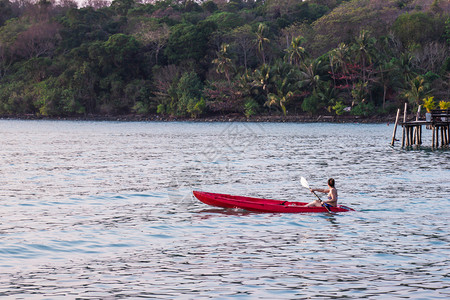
<point x="388" y="77"/>
<point x="280" y="99"/>
<point x="296" y="53"/>
<point x="261" y="40"/>
<point x="364" y="48"/>
<point x="340" y="56"/>
<point x="310" y="74"/>
<point x="260" y="83"/>
<point x="284" y="84"/>
<point x="338" y="63"/>
<point x="223" y="62"/>
<point x="405" y="67"/>
<point x="418" y="89"/>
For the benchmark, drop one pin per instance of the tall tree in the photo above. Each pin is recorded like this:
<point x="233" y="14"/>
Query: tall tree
<point x="244" y="38"/>
<point x="261" y="41"/>
<point x="296" y="53"/>
<point x="311" y="74"/>
<point x="365" y="51"/>
<point x="40" y="39"/>
<point x="153" y="35"/>
<point x="418" y="89"/>
<point x="5" y="11"/>
<point x="223" y="62"/>
<point x="281" y="96"/>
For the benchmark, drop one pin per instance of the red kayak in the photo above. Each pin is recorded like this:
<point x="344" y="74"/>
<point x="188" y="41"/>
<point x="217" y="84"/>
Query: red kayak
<point x="262" y="205"/>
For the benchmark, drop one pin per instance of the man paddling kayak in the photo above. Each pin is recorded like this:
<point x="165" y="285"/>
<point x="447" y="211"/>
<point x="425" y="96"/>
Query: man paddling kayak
<point x="332" y="196"/>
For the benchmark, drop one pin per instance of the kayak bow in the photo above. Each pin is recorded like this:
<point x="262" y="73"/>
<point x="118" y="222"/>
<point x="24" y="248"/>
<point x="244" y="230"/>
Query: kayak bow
<point x="261" y="205"/>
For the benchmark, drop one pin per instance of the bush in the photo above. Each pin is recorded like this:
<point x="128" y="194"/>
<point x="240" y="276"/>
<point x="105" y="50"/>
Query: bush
<point x="196" y="108"/>
<point x="429" y="103"/>
<point x="339" y="108"/>
<point x="189" y="91"/>
<point x="363" y="109"/>
<point x="251" y="107"/>
<point x="311" y="104"/>
<point x="444" y="104"/>
<point x="161" y="109"/>
<point x="141" y="108"/>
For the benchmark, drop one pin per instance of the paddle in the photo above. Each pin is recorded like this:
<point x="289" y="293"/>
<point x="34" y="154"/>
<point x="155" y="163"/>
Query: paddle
<point x="306" y="185"/>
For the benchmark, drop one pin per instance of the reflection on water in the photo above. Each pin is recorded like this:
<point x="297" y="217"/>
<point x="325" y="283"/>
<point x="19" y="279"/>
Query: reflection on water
<point x="104" y="210"/>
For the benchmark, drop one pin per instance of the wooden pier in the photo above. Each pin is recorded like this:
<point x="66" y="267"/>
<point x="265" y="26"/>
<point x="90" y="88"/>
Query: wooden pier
<point x="438" y="121"/>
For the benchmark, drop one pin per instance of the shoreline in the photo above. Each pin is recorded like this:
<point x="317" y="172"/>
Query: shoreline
<point x="222" y="118"/>
<point x="218" y="118"/>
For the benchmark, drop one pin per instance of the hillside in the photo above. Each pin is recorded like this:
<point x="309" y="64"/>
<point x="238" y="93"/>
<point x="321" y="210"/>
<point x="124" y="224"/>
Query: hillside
<point x="186" y="58"/>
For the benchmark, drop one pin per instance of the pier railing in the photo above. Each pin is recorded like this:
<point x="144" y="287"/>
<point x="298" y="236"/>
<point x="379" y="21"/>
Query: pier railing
<point x="440" y="116"/>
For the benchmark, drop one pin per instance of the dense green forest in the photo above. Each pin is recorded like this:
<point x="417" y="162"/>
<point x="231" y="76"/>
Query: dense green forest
<point x="249" y="57"/>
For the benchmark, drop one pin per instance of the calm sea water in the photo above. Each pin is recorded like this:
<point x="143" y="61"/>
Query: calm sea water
<point x="103" y="210"/>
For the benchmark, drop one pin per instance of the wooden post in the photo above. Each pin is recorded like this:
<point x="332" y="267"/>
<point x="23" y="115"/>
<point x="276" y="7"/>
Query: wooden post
<point x="437" y="136"/>
<point x="433" y="138"/>
<point x="404" y="127"/>
<point x="420" y="135"/>
<point x="448" y="134"/>
<point x="395" y="127"/>
<point x="416" y="128"/>
<point x="444" y="136"/>
<point x="406" y="135"/>
<point x="403" y="137"/>
<point x="411" y="135"/>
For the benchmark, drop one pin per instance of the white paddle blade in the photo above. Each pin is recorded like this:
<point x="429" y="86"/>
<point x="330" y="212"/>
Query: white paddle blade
<point x="304" y="183"/>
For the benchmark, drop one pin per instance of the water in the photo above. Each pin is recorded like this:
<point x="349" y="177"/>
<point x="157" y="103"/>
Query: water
<point x="103" y="210"/>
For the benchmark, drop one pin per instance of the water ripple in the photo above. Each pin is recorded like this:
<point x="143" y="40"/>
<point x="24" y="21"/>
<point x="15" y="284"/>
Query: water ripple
<point x="103" y="210"/>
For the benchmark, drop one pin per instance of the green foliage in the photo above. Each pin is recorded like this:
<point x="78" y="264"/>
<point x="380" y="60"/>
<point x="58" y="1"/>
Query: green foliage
<point x="359" y="92"/>
<point x="210" y="6"/>
<point x="15" y="98"/>
<point x="223" y="62"/>
<point x="121" y="51"/>
<point x="141" y="108"/>
<point x="281" y="91"/>
<point x="6" y="11"/>
<point x="225" y="20"/>
<point x="196" y="108"/>
<point x="161" y="109"/>
<point x="82" y="25"/>
<point x="417" y="28"/>
<point x="188" y="59"/>
<point x="122" y="6"/>
<point x="251" y="107"/>
<point x="339" y="108"/>
<point x="189" y="41"/>
<point x="447" y="31"/>
<point x="347" y="20"/>
<point x="430" y="76"/>
<point x="444" y="104"/>
<point x="429" y="103"/>
<point x="224" y="96"/>
<point x="311" y="104"/>
<point x="363" y="109"/>
<point x="189" y="91"/>
<point x="295" y="54"/>
<point x="418" y="89"/>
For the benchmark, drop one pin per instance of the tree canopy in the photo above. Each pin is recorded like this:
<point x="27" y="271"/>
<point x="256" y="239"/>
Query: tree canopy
<point x="188" y="58"/>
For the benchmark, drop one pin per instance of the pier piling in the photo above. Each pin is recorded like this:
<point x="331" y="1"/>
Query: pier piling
<point x="439" y="123"/>
<point x="395" y="127"/>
